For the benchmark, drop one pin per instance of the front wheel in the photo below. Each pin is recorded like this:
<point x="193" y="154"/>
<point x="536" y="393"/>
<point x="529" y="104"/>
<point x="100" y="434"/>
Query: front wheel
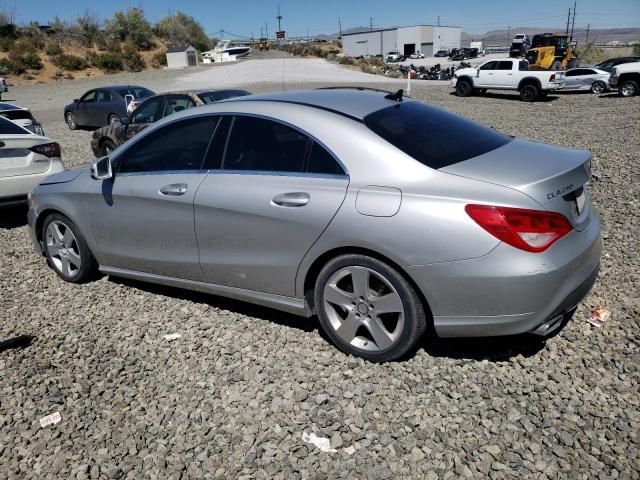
<point x="628" y="88"/>
<point x="67" y="251"/>
<point x="368" y="309"/>
<point x="557" y="65"/>
<point x="70" y="118"/>
<point x="464" y="88"/>
<point x="598" y="87"/>
<point x="529" y="93"/>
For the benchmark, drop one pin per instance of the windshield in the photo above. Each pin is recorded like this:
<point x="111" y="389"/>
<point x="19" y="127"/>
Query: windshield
<point x="10" y="128"/>
<point x="16" y="115"/>
<point x="433" y="137"/>
<point x="210" y="97"/>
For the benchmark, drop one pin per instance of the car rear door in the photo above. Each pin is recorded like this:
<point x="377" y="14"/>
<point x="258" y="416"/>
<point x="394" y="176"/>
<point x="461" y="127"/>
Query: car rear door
<point x="504" y="74"/>
<point x="265" y="202"/>
<point x="85" y="110"/>
<point x="142" y="218"/>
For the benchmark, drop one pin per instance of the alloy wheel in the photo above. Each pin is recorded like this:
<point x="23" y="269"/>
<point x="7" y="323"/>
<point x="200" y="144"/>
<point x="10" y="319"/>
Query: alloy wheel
<point x="63" y="249"/>
<point x="364" y="308"/>
<point x="598" y="87"/>
<point x="628" y="89"/>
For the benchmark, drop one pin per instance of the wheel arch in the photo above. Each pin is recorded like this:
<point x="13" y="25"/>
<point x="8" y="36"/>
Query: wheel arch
<point x="466" y="78"/>
<point x="530" y="81"/>
<point x="50" y="210"/>
<point x="629" y="76"/>
<point x="311" y="274"/>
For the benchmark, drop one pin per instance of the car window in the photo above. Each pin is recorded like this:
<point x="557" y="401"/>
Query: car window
<point x="89" y="96"/>
<point x="137" y="92"/>
<point x="505" y="65"/>
<point x="489" y="66"/>
<point x="8" y="127"/>
<point x="571" y="73"/>
<point x="431" y="136"/>
<point x="263" y="145"/>
<point x="216" y="149"/>
<point x="588" y="71"/>
<point x="17" y="115"/>
<point x="321" y="161"/>
<point x="523" y="65"/>
<point x="210" y="97"/>
<point x="103" y="96"/>
<point x="178" y="146"/>
<point x="177" y="103"/>
<point x="147" y="112"/>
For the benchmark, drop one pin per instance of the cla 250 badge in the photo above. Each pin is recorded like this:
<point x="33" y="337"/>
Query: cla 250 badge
<point x="560" y="192"/>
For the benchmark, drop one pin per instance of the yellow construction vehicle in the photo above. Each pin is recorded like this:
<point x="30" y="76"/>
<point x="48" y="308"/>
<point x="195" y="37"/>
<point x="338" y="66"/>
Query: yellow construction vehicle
<point x="264" y="44"/>
<point x="550" y="51"/>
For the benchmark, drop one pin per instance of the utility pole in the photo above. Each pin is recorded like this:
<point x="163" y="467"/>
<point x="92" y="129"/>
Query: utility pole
<point x="566" y="32"/>
<point x="438" y="20"/>
<point x="574" y="20"/>
<point x="370" y="23"/>
<point x="266" y="29"/>
<point x="340" y="27"/>
<point x="279" y="17"/>
<point x="588" y="26"/>
<point x="261" y="32"/>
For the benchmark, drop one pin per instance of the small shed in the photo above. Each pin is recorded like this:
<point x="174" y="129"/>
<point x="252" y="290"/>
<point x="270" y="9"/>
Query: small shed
<point x="181" y="56"/>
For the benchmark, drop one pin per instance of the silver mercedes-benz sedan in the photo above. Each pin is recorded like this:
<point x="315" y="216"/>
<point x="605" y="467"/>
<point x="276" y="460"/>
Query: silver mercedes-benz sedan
<point x="381" y="214"/>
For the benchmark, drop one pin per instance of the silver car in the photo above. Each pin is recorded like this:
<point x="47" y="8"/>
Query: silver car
<point x="380" y="214"/>
<point x="586" y="79"/>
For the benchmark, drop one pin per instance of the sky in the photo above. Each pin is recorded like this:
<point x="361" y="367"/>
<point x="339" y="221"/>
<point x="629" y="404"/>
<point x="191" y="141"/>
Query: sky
<point x="246" y="18"/>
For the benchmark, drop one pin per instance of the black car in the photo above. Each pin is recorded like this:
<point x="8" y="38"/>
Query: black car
<point x="442" y="53"/>
<point x="608" y="65"/>
<point x="103" y="106"/>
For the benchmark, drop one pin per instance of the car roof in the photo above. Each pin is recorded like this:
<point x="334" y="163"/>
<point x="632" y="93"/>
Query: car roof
<point x="355" y="102"/>
<point x="4" y="107"/>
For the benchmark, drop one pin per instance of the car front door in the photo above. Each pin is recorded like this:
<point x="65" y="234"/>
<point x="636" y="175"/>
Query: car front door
<point x="264" y="204"/>
<point x="485" y="74"/>
<point x="85" y="107"/>
<point x="142" y="218"/>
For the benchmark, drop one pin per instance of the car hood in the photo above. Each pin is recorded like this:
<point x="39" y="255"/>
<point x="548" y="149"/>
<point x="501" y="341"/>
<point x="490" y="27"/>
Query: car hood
<point x="466" y="71"/>
<point x="66" y="176"/>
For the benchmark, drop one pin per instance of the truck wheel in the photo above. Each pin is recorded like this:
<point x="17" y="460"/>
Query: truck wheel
<point x="628" y="88"/>
<point x="529" y="93"/>
<point x="464" y="88"/>
<point x="557" y="65"/>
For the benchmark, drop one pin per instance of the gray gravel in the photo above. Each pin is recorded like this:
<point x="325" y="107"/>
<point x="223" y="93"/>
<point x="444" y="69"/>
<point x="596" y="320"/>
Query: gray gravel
<point x="232" y="397"/>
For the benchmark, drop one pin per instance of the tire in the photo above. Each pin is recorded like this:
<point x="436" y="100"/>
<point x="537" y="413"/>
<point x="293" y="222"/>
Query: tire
<point x="557" y="65"/>
<point x="529" y="93"/>
<point x="628" y="88"/>
<point x="106" y="147"/>
<point x="67" y="251"/>
<point x="598" y="87"/>
<point x="70" y="118"/>
<point x="112" y="119"/>
<point x="464" y="88"/>
<point x="347" y="299"/>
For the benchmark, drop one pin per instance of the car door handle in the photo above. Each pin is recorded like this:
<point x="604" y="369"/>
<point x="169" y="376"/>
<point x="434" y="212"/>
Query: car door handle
<point x="490" y="73"/>
<point x="174" y="189"/>
<point x="293" y="199"/>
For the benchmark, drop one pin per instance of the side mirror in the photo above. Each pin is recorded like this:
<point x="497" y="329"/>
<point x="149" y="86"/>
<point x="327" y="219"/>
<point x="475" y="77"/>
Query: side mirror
<point x="76" y="100"/>
<point x="128" y="98"/>
<point x="125" y="120"/>
<point x="101" y="169"/>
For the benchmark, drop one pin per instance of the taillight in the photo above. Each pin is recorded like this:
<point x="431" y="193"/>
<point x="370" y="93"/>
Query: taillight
<point x="552" y="78"/>
<point x="47" y="149"/>
<point x="529" y="230"/>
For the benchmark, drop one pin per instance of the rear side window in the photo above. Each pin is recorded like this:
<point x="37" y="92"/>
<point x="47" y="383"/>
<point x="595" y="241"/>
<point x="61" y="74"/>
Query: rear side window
<point x="178" y="146"/>
<point x="263" y="145"/>
<point x="10" y="128"/>
<point x="321" y="161"/>
<point x="432" y="136"/>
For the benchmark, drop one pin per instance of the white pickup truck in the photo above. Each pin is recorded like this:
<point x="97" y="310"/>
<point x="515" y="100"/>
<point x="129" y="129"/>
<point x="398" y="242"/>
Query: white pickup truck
<point x="626" y="78"/>
<point x="507" y="74"/>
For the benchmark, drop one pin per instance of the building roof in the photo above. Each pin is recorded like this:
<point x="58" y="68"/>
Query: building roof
<point x="396" y="28"/>
<point x="178" y="48"/>
<point x="354" y="102"/>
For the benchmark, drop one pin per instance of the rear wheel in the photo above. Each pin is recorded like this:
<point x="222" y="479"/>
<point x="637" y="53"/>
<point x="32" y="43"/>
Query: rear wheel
<point x="464" y="88"/>
<point x="368" y="309"/>
<point x="67" y="251"/>
<point x="529" y="93"/>
<point x="628" y="88"/>
<point x="70" y="118"/>
<point x="598" y="87"/>
<point x="557" y="65"/>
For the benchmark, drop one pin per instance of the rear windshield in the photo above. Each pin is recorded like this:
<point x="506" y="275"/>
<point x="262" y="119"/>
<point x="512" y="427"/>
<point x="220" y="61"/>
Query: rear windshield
<point x="137" y="92"/>
<point x="10" y="128"/>
<point x="16" y="115"/>
<point x="432" y="136"/>
<point x="210" y="97"/>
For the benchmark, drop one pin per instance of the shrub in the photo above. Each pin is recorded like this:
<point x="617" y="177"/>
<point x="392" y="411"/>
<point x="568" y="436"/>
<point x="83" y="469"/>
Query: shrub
<point x="5" y="67"/>
<point x="22" y="60"/>
<point x="69" y="62"/>
<point x="345" y="61"/>
<point x="52" y="49"/>
<point x="182" y="29"/>
<point x="89" y="26"/>
<point x="131" y="26"/>
<point x="159" y="59"/>
<point x="6" y="43"/>
<point x="131" y="58"/>
<point x="109" y="62"/>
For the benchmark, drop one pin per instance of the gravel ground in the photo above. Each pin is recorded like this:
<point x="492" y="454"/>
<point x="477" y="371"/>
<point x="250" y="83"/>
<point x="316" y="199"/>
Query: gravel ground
<point x="234" y="395"/>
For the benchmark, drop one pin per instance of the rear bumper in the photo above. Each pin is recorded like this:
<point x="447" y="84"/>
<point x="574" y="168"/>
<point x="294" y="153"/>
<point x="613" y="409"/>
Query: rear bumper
<point x="508" y="291"/>
<point x="23" y="184"/>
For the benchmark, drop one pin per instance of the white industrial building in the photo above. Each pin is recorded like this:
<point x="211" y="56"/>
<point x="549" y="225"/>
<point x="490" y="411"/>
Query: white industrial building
<point x="427" y="39"/>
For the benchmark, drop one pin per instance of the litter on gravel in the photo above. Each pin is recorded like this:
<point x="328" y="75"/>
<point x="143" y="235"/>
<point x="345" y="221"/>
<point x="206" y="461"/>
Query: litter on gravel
<point x="172" y="336"/>
<point x="322" y="443"/>
<point x="50" y="419"/>
<point x="599" y="316"/>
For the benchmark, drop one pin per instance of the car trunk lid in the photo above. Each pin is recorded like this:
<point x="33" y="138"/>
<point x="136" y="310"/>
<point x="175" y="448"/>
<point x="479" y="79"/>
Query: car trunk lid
<point x="553" y="176"/>
<point x="16" y="158"/>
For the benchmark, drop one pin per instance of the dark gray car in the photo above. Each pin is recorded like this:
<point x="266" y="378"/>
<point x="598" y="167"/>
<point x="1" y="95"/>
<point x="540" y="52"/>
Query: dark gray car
<point x="103" y="106"/>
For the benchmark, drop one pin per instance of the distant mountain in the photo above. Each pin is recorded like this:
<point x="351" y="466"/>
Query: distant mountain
<point x="505" y="36"/>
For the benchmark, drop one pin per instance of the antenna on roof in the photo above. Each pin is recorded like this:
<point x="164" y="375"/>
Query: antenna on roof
<point x="396" y="97"/>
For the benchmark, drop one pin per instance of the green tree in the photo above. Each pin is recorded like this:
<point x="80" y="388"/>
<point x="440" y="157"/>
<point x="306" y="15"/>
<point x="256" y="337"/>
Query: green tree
<point x="132" y="27"/>
<point x="182" y="29"/>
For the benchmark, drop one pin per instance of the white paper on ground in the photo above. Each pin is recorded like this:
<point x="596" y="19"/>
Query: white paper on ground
<point x="322" y="443"/>
<point x="172" y="336"/>
<point x="50" y="419"/>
